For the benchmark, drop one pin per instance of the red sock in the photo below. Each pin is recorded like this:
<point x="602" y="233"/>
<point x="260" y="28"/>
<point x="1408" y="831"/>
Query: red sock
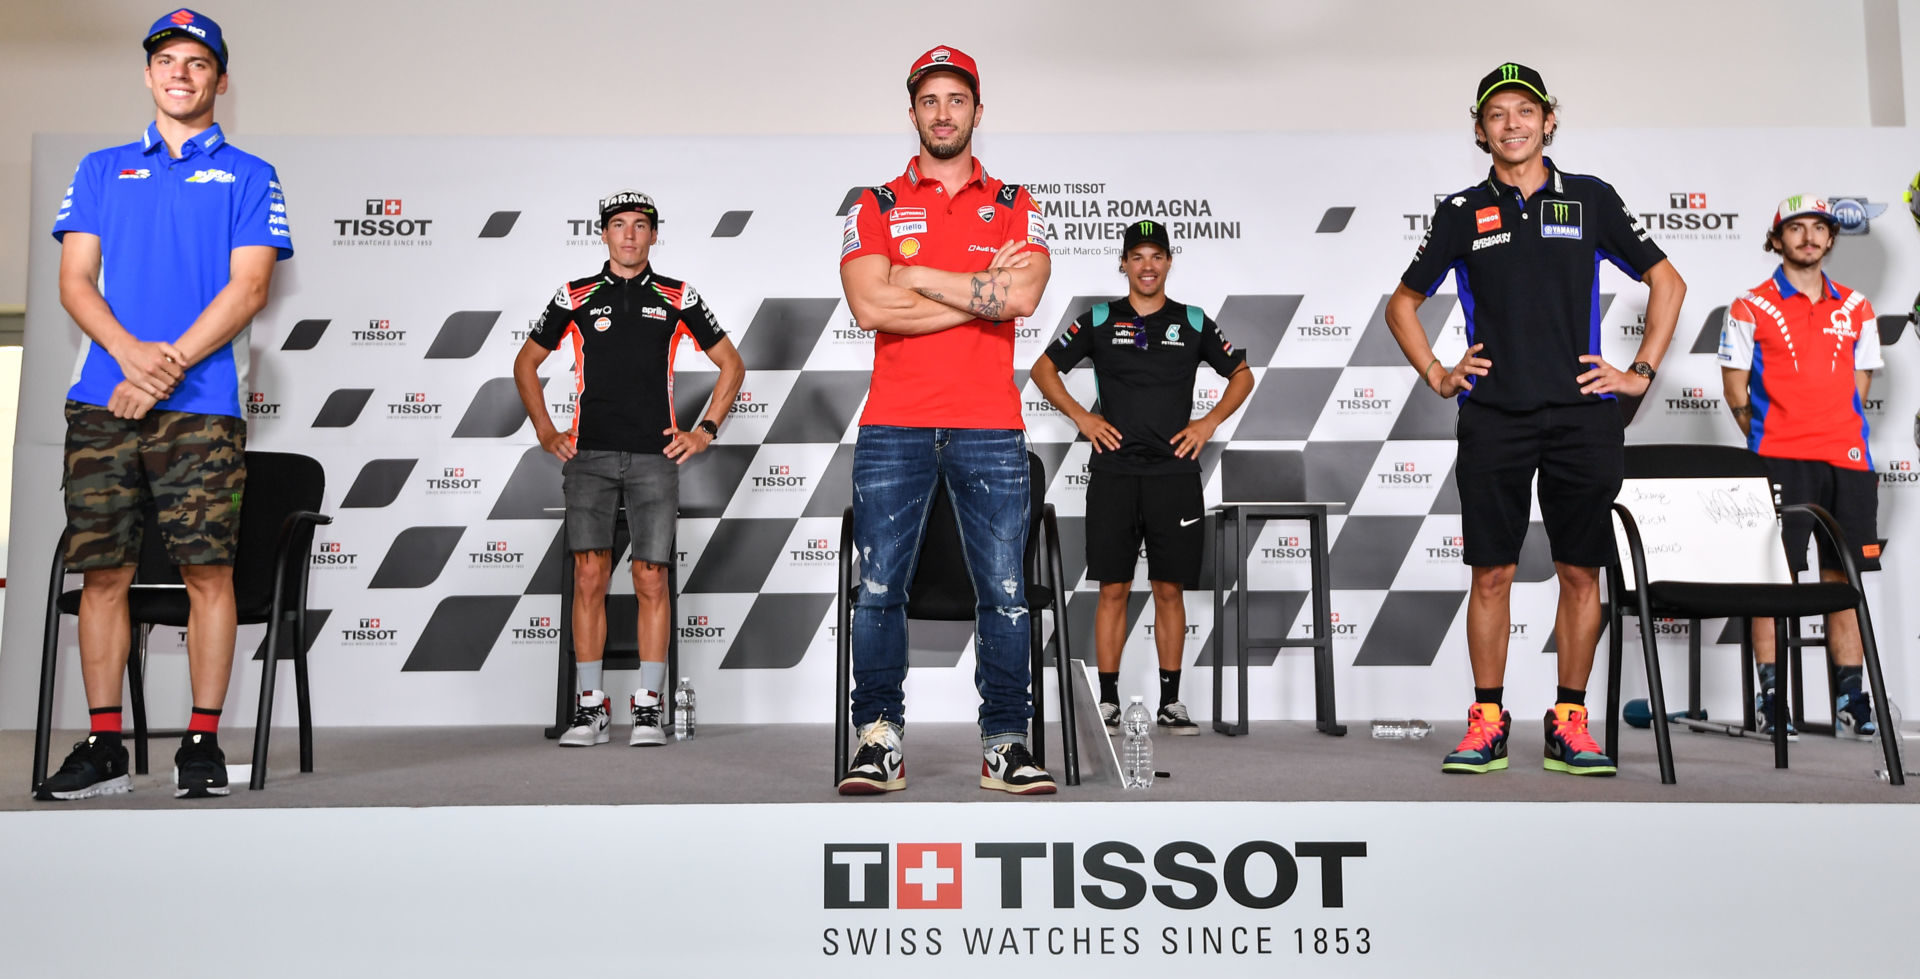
<point x="204" y="721"/>
<point x="104" y="720"/>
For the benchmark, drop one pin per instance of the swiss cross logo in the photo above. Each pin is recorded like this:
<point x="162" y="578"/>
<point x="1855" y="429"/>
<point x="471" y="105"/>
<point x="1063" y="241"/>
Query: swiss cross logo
<point x="1403" y="467"/>
<point x="382" y="207"/>
<point x="539" y="621"/>
<point x="1453" y="540"/>
<point x="369" y="623"/>
<point x="330" y="547"/>
<point x="450" y="472"/>
<point x="1487" y="219"/>
<point x="257" y="397"/>
<point x="496" y="545"/>
<point x="1693" y="392"/>
<point x="1363" y="392"/>
<point x="416" y="397"/>
<point x="779" y="470"/>
<point x="379" y="324"/>
<point x="1288" y="542"/>
<point x="1900" y="465"/>
<point x="696" y="620"/>
<point x="744" y="396"/>
<point x="1323" y="319"/>
<point x="817" y="542"/>
<point x="1690" y="201"/>
<point x="908" y="876"/>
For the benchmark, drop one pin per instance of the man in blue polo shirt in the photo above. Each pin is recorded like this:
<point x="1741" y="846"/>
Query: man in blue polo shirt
<point x="167" y="246"/>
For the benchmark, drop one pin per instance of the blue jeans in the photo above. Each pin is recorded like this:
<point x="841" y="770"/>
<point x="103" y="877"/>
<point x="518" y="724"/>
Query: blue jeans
<point x="894" y="473"/>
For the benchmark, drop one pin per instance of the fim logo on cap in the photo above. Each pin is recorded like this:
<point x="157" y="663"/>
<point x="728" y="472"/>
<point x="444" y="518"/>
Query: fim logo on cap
<point x="629" y="200"/>
<point x="189" y="24"/>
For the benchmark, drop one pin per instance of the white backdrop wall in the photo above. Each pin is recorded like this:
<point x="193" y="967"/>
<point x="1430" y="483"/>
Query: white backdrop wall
<point x="386" y="355"/>
<point x="585" y="67"/>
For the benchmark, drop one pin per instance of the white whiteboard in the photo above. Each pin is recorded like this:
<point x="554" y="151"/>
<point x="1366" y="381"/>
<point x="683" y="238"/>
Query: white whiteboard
<point x="1709" y="530"/>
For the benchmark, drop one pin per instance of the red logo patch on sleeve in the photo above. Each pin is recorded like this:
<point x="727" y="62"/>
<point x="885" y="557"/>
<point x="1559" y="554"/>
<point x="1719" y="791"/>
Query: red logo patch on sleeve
<point x="1487" y="219"/>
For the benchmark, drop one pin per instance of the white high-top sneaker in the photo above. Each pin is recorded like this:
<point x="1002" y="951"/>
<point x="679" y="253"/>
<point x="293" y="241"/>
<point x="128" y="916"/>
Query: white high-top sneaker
<point x="590" y="720"/>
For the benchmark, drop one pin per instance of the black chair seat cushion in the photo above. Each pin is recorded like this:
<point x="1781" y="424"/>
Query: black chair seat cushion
<point x="159" y="605"/>
<point x="1711" y="600"/>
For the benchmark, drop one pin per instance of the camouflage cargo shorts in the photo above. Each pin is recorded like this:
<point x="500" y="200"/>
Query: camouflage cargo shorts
<point x="192" y="467"/>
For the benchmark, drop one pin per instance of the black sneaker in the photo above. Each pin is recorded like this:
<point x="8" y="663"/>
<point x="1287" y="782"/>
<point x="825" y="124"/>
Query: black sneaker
<point x="1173" y="717"/>
<point x="877" y="766"/>
<point x="199" y="769"/>
<point x="1011" y="768"/>
<point x="91" y="769"/>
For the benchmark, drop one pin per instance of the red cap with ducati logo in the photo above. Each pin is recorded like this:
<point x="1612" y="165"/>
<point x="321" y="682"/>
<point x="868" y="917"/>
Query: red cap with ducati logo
<point x="945" y="58"/>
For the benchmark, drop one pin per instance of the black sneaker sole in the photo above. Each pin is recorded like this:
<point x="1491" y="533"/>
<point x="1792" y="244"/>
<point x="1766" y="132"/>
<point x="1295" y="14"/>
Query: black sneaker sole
<point x="202" y="792"/>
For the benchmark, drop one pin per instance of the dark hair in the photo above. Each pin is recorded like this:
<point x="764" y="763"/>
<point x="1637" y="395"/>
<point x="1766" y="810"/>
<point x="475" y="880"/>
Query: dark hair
<point x="1551" y="107"/>
<point x="1768" y="242"/>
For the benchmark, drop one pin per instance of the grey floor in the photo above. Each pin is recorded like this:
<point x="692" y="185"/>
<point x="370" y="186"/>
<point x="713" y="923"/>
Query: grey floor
<point x="471" y="766"/>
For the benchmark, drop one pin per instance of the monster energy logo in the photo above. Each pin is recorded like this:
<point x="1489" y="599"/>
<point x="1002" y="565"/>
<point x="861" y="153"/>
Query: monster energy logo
<point x="1793" y="203"/>
<point x="1560" y="219"/>
<point x="1559" y="212"/>
<point x="1509" y="72"/>
<point x="1146" y="227"/>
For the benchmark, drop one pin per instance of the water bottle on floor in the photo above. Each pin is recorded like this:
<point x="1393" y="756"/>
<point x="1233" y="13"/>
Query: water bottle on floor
<point x="1136" y="753"/>
<point x="683" y="710"/>
<point x="1412" y="730"/>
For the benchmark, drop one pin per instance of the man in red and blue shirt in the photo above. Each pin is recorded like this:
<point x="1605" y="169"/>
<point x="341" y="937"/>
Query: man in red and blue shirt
<point x="167" y="247"/>
<point x="1797" y="354"/>
<point x="938" y="264"/>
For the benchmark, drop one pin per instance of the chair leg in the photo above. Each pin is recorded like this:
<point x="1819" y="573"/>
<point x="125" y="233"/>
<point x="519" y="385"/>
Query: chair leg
<point x="301" y="698"/>
<point x="137" y="694"/>
<point x="1069" y="720"/>
<point x="1889" y="735"/>
<point x="263" y="721"/>
<point x="1037" y="682"/>
<point x="1789" y="665"/>
<point x="1662" y="737"/>
<point x="1749" y="721"/>
<point x="1614" y="620"/>
<point x="49" y="668"/>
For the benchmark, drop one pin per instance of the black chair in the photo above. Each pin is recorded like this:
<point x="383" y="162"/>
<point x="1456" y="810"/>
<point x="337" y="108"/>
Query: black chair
<point x="277" y="517"/>
<point x="943" y="591"/>
<point x="1698" y="600"/>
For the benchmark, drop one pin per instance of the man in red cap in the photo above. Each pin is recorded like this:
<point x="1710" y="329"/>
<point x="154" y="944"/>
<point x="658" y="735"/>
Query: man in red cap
<point x="1797" y="354"/>
<point x="938" y="263"/>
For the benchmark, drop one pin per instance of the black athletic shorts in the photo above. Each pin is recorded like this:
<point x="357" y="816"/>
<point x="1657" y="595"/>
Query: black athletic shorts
<point x="1851" y="495"/>
<point x="1580" y="456"/>
<point x="1166" y="511"/>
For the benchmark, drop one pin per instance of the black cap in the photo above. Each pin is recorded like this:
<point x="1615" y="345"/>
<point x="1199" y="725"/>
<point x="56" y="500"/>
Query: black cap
<point x="1510" y="75"/>
<point x="629" y="200"/>
<point x="1146" y="233"/>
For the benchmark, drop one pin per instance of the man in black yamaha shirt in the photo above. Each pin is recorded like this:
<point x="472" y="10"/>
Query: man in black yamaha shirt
<point x="624" y="324"/>
<point x="1146" y="444"/>
<point x="1525" y="246"/>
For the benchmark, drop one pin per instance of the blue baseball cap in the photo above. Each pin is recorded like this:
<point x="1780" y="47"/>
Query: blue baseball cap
<point x="185" y="23"/>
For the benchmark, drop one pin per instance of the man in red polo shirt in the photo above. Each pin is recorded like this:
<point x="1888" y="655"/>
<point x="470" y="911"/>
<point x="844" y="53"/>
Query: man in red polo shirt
<point x="1797" y="354"/>
<point x="937" y="264"/>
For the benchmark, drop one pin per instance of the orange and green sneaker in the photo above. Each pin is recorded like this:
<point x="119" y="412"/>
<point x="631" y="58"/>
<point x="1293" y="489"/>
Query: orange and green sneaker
<point x="1484" y="749"/>
<point x="1570" y="748"/>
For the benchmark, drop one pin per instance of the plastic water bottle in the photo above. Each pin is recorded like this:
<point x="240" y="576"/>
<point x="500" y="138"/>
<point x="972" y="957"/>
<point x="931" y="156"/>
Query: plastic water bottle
<point x="1412" y="730"/>
<point x="683" y="710"/>
<point x="1136" y="753"/>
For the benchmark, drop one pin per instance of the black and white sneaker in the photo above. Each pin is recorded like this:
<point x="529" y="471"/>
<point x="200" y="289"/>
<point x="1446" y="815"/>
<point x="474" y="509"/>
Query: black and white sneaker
<point x="591" y="719"/>
<point x="1011" y="768"/>
<point x="1173" y="717"/>
<point x="1110" y="715"/>
<point x="877" y="766"/>
<point x="647" y="729"/>
<point x="91" y="769"/>
<point x="199" y="769"/>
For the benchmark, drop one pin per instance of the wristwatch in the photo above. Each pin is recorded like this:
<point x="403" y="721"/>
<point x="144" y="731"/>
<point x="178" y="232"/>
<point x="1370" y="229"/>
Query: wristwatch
<point x="1643" y="369"/>
<point x="706" y="425"/>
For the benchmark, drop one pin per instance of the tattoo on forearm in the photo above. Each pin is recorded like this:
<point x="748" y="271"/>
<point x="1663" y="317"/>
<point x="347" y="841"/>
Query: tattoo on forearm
<point x="1742" y="411"/>
<point x="933" y="294"/>
<point x="990" y="291"/>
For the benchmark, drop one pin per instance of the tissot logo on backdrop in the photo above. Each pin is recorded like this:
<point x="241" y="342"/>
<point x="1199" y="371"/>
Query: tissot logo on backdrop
<point x="413" y="404"/>
<point x="259" y="407"/>
<point x="817" y="549"/>
<point x="1405" y="474"/>
<point x="1286" y="549"/>
<point x="780" y="478"/>
<point x="453" y="479"/>
<point x="333" y="554"/>
<point x="379" y="333"/>
<point x="383" y="222"/>
<point x="743" y="404"/>
<point x="369" y="632"/>
<point x="698" y="628"/>
<point x="583" y="231"/>
<point x="1364" y="402"/>
<point x="538" y="628"/>
<point x="1325" y="326"/>
<point x="1693" y="401"/>
<point x="1688" y="219"/>
<point x="1448" y="549"/>
<point x="495" y="554"/>
<point x="1898" y="472"/>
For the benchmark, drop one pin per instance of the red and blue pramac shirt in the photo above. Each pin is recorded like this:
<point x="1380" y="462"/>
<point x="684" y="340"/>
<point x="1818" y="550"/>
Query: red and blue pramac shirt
<point x="1802" y="351"/>
<point x="167" y="232"/>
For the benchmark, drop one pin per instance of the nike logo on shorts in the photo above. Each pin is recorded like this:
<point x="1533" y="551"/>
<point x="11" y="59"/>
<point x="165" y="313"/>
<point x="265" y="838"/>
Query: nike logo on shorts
<point x="1189" y="523"/>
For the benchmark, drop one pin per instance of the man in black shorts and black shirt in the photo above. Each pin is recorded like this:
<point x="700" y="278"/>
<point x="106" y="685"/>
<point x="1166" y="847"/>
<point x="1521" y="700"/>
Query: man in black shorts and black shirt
<point x="1146" y="451"/>
<point x="1535" y="395"/>
<point x="624" y="323"/>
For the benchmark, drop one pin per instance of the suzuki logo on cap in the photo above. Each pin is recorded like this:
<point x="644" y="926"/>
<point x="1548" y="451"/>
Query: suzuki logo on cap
<point x="182" y="17"/>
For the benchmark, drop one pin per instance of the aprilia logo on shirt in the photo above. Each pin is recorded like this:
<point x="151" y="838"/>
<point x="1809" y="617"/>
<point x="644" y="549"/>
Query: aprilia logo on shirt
<point x="1487" y="219"/>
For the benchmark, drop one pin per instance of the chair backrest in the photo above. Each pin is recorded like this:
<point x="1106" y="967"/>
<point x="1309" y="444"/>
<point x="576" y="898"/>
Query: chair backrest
<point x="1705" y="513"/>
<point x="941" y="588"/>
<point x="278" y="483"/>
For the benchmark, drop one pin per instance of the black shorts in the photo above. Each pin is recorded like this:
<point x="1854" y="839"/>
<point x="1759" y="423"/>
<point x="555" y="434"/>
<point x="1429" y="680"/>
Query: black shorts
<point x="1579" y="453"/>
<point x="1851" y="495"/>
<point x="1166" y="511"/>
